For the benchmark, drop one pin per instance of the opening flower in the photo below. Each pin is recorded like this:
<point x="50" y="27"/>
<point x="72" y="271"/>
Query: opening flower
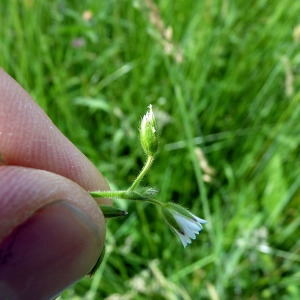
<point x="148" y="133"/>
<point x="185" y="224"/>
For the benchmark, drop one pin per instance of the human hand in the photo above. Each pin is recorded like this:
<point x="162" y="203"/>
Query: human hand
<point x="51" y="229"/>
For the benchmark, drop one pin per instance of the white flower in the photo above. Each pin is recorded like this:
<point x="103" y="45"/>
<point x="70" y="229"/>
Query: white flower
<point x="189" y="227"/>
<point x="185" y="224"/>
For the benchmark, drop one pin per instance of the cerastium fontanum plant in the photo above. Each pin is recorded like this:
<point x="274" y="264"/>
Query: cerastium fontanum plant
<point x="185" y="224"/>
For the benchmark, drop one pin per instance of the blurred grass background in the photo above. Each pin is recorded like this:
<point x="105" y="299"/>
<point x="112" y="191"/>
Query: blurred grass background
<point x="223" y="78"/>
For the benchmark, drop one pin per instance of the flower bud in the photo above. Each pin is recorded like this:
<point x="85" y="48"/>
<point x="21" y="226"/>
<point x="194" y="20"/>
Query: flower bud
<point x="148" y="133"/>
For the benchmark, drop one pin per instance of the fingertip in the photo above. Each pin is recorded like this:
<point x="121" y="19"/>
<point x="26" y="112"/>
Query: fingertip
<point x="23" y="191"/>
<point x="48" y="252"/>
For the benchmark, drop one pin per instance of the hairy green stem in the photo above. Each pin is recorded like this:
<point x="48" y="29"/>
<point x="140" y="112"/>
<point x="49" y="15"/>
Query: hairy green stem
<point x="156" y="202"/>
<point x="109" y="194"/>
<point x="142" y="173"/>
<point x="126" y="195"/>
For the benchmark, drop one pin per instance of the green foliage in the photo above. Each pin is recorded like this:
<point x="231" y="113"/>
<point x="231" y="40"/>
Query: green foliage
<point x="225" y="91"/>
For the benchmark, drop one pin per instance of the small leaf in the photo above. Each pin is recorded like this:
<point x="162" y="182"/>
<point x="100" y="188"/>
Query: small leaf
<point x="3" y="162"/>
<point x="112" y="212"/>
<point x="98" y="263"/>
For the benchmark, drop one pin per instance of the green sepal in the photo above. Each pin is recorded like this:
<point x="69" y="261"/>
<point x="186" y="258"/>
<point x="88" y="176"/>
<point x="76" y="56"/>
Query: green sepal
<point x="112" y="212"/>
<point x="98" y="263"/>
<point x="179" y="209"/>
<point x="148" y="191"/>
<point x="134" y="195"/>
<point x="171" y="220"/>
<point x="140" y="194"/>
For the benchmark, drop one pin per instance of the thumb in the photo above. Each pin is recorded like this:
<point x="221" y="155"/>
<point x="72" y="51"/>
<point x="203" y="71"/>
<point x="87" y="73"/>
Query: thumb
<point x="51" y="233"/>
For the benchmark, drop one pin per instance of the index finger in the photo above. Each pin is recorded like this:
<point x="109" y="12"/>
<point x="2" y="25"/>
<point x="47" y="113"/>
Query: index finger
<point x="29" y="138"/>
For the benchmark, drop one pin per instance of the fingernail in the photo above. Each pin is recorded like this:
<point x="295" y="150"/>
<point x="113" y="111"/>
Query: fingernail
<point x="50" y="251"/>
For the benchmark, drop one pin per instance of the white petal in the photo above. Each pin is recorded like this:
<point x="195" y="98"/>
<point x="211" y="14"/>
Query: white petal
<point x="191" y="233"/>
<point x="184" y="239"/>
<point x="189" y="227"/>
<point x="199" y="220"/>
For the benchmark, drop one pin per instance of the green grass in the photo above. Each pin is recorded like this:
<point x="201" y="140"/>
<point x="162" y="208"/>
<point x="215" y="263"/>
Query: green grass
<point x="235" y="95"/>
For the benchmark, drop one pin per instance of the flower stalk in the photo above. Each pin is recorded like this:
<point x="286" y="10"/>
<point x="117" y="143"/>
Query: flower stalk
<point x="143" y="172"/>
<point x="185" y="224"/>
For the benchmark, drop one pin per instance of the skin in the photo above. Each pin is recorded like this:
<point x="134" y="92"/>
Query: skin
<point x="51" y="230"/>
